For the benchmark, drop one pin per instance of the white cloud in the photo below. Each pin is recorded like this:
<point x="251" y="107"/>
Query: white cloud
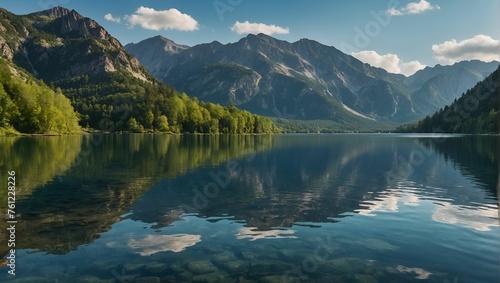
<point x="411" y="67"/>
<point x="413" y="8"/>
<point x="110" y="18"/>
<point x="256" y="28"/>
<point x="480" y="47"/>
<point x="390" y="62"/>
<point x="151" y="19"/>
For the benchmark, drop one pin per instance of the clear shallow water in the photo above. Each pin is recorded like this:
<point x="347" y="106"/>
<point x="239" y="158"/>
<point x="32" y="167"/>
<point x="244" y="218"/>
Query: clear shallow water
<point x="292" y="208"/>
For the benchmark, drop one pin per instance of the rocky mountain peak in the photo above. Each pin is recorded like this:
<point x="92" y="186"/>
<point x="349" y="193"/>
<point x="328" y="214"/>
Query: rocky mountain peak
<point x="259" y="38"/>
<point x="158" y="42"/>
<point x="170" y="46"/>
<point x="54" y="13"/>
<point x="57" y="56"/>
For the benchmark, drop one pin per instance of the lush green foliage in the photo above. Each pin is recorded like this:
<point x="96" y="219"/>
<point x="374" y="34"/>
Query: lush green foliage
<point x="476" y="112"/>
<point x="120" y="102"/>
<point x="29" y="106"/>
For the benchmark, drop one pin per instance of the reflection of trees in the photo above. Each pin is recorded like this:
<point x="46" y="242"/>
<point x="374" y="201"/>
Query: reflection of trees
<point x="109" y="175"/>
<point x="162" y="156"/>
<point x="474" y="155"/>
<point x="36" y="162"/>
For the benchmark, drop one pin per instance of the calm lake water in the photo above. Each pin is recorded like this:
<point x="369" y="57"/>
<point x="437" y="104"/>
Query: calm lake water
<point x="287" y="208"/>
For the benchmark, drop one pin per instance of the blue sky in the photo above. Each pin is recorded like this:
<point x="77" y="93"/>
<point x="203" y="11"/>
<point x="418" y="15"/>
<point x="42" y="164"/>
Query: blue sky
<point x="398" y="35"/>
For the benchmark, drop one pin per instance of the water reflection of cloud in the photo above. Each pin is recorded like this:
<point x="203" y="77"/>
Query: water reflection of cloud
<point x="422" y="273"/>
<point x="254" y="234"/>
<point x="388" y="203"/>
<point x="161" y="243"/>
<point x="479" y="218"/>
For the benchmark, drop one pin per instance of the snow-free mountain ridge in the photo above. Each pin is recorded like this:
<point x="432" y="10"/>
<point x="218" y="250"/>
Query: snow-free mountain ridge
<point x="304" y="79"/>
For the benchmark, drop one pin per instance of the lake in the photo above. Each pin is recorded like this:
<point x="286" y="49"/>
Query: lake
<point x="283" y="208"/>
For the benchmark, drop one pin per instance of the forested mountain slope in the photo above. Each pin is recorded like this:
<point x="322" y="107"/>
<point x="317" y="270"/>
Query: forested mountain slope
<point x="475" y="112"/>
<point x="108" y="87"/>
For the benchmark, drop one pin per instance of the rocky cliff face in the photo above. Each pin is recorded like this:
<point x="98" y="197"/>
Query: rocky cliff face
<point x="304" y="79"/>
<point x="157" y="54"/>
<point x="59" y="44"/>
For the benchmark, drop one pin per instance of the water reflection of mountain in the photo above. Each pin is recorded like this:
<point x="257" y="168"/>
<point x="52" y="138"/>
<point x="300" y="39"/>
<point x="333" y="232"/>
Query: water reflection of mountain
<point x="313" y="179"/>
<point x="106" y="178"/>
<point x="303" y="179"/>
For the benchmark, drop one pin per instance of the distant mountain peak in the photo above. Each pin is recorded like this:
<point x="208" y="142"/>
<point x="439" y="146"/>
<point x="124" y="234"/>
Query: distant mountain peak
<point x="158" y="41"/>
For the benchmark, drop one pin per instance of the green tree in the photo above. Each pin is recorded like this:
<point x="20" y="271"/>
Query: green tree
<point x="161" y="123"/>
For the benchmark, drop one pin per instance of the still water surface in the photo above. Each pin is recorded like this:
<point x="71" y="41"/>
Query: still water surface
<point x="287" y="208"/>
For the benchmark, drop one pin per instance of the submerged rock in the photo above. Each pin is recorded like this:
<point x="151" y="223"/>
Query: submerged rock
<point x="133" y="268"/>
<point x="147" y="279"/>
<point x="223" y="257"/>
<point x="243" y="279"/>
<point x="364" y="278"/>
<point x="330" y="279"/>
<point x="288" y="253"/>
<point x="248" y="255"/>
<point x="215" y="277"/>
<point x="32" y="279"/>
<point x="176" y="267"/>
<point x="236" y="266"/>
<point x="262" y="268"/>
<point x="185" y="276"/>
<point x="168" y="279"/>
<point x="214" y="249"/>
<point x="201" y="267"/>
<point x="87" y="279"/>
<point x="103" y="266"/>
<point x="156" y="268"/>
<point x="344" y="265"/>
<point x="273" y="279"/>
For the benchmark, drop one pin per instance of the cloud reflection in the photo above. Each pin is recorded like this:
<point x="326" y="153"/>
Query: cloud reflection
<point x="478" y="218"/>
<point x="422" y="273"/>
<point x="161" y="243"/>
<point x="481" y="217"/>
<point x="388" y="202"/>
<point x="254" y="234"/>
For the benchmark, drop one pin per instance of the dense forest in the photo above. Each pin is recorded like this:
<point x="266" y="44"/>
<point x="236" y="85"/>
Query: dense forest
<point x="475" y="112"/>
<point x="115" y="103"/>
<point x="119" y="102"/>
<point x="27" y="105"/>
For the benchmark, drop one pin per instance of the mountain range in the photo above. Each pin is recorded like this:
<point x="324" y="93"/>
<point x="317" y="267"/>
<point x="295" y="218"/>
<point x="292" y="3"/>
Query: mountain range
<point x="303" y="80"/>
<point x="109" y="88"/>
<point x="138" y="87"/>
